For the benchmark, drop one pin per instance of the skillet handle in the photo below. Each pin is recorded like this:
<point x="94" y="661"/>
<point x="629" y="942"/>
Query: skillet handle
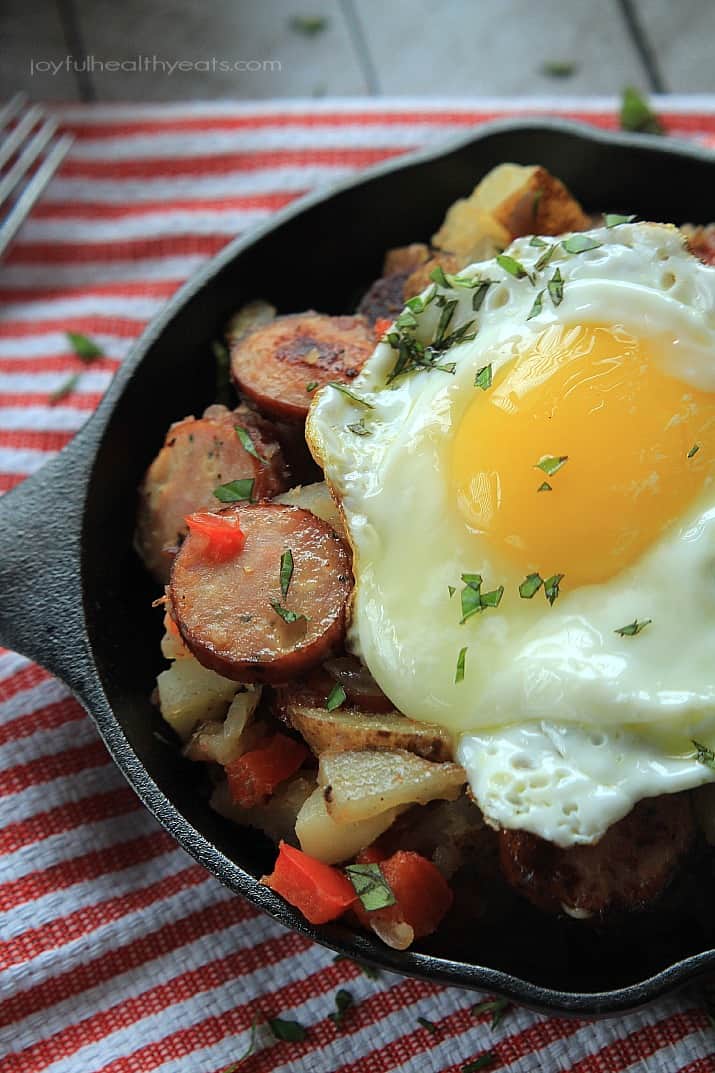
<point x="41" y="612"/>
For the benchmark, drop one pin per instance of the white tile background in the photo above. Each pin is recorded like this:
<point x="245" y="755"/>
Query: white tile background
<point x="392" y="47"/>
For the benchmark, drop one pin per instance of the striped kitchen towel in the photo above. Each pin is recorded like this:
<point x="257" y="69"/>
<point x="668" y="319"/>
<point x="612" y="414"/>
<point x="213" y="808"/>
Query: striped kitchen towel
<point x="118" y="953"/>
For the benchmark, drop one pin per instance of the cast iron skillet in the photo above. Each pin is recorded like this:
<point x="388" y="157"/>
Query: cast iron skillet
<point x="74" y="597"/>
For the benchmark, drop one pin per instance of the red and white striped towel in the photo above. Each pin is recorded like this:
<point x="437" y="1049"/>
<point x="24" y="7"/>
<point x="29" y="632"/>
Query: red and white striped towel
<point x="117" y="952"/>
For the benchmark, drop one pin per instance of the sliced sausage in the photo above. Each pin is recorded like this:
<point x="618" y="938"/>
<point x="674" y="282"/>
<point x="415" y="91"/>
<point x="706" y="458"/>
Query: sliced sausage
<point x="385" y="299"/>
<point x="228" y="611"/>
<point x="198" y="455"/>
<point x="626" y="869"/>
<point x="280" y="365"/>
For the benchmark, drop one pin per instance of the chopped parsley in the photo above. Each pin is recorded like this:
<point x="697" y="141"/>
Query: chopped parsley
<point x="530" y="586"/>
<point x="438" y="276"/>
<point x="235" y="491"/>
<point x="551" y="588"/>
<point x="551" y="465"/>
<point x="485" y="1061"/>
<point x="248" y="445"/>
<point x="310" y="387"/>
<point x="556" y="288"/>
<point x="693" y="450"/>
<point x="286" y="572"/>
<point x="704" y="755"/>
<point x="480" y="293"/>
<point x="511" y="265"/>
<point x="538" y="242"/>
<point x="248" y="1052"/>
<point x="343" y="1002"/>
<point x="459" y="673"/>
<point x="637" y="115"/>
<point x="431" y="1027"/>
<point x="286" y="614"/>
<point x="370" y="885"/>
<point x="350" y="394"/>
<point x="544" y="487"/>
<point x="537" y="306"/>
<point x="336" y="698"/>
<point x="473" y="600"/>
<point x="445" y="320"/>
<point x="359" y="428"/>
<point x="291" y="1031"/>
<point x="633" y="628"/>
<point x="559" y="68"/>
<point x="483" y="379"/>
<point x="66" y="388"/>
<point x="451" y="590"/>
<point x="497" y="1007"/>
<point x="613" y="219"/>
<point x="580" y="243"/>
<point x="84" y="348"/>
<point x="308" y="25"/>
<point x="545" y="257"/>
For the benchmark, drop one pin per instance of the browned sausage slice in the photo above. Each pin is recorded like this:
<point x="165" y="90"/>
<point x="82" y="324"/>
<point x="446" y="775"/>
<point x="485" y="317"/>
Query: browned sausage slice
<point x="198" y="455"/>
<point x="385" y="299"/>
<point x="280" y="365"/>
<point x="232" y="613"/>
<point x="626" y="869"/>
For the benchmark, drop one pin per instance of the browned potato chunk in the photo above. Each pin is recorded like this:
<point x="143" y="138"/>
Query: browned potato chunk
<point x="344" y="730"/>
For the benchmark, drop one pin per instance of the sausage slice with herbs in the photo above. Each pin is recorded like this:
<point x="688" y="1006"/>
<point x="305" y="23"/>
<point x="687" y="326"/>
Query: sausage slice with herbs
<point x="626" y="869"/>
<point x="198" y="456"/>
<point x="259" y="591"/>
<point x="280" y="365"/>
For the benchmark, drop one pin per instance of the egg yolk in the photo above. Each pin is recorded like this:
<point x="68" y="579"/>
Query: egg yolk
<point x="595" y="396"/>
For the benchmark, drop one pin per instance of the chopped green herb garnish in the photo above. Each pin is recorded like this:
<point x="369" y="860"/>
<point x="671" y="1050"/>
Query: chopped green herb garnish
<point x="633" y="628"/>
<point x="551" y="587"/>
<point x="286" y="571"/>
<point x="544" y="487"/>
<point x="613" y="219"/>
<point x="485" y="1061"/>
<point x="431" y="1027"/>
<point x="308" y="25"/>
<point x="483" y="379"/>
<point x="247" y="444"/>
<point x="370" y="885"/>
<point x="343" y="1002"/>
<point x="66" y="388"/>
<point x="559" y="68"/>
<point x="336" y="698"/>
<point x="580" y="243"/>
<point x="311" y="386"/>
<point x="637" y="115"/>
<point x="445" y="320"/>
<point x="248" y="1052"/>
<point x="538" y="242"/>
<point x="556" y="288"/>
<point x="545" y="257"/>
<point x="551" y="465"/>
<point x="350" y="394"/>
<point x="511" y="265"/>
<point x="451" y="590"/>
<point x="459" y="673"/>
<point x="224" y="391"/>
<point x="84" y="348"/>
<point x="537" y="306"/>
<point x="359" y="428"/>
<point x="235" y="491"/>
<point x="538" y="194"/>
<point x="287" y="1030"/>
<point x="286" y="615"/>
<point x="438" y="276"/>
<point x="497" y="1007"/>
<point x="480" y="293"/>
<point x="471" y="596"/>
<point x="693" y="450"/>
<point x="704" y="755"/>
<point x="530" y="585"/>
<point x="416" y="304"/>
<point x="493" y="598"/>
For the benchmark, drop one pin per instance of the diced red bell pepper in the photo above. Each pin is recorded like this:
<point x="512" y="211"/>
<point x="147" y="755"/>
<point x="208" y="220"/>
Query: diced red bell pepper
<point x="222" y="533"/>
<point x="320" y="892"/>
<point x="422" y="896"/>
<point x="382" y="325"/>
<point x="255" y="775"/>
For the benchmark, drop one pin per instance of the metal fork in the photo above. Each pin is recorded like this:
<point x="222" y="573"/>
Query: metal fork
<point x="32" y="137"/>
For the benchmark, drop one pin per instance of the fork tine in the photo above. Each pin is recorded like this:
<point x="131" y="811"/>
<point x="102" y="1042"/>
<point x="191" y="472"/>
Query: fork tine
<point x="13" y="106"/>
<point x="27" y="158"/>
<point x="32" y="191"/>
<point x="17" y="136"/>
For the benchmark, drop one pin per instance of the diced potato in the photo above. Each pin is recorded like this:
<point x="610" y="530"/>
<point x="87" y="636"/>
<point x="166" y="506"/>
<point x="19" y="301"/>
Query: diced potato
<point x="252" y="315"/>
<point x="330" y="842"/>
<point x="222" y="742"/>
<point x="360" y="784"/>
<point x="277" y="817"/>
<point x="345" y="729"/>
<point x="511" y="200"/>
<point x="317" y="499"/>
<point x="190" y="693"/>
<point x="405" y="258"/>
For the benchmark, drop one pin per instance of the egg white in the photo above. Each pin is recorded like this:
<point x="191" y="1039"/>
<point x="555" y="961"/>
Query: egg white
<point x="561" y="723"/>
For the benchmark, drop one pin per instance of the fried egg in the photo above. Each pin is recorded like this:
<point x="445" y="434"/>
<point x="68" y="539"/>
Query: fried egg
<point x="525" y="467"/>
